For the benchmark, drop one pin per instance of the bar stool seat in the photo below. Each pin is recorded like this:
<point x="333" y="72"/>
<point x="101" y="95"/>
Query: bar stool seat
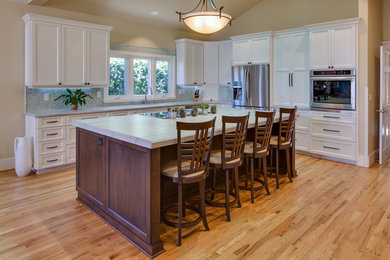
<point x="170" y="170"/>
<point x="248" y="150"/>
<point x="274" y="142"/>
<point x="216" y="158"/>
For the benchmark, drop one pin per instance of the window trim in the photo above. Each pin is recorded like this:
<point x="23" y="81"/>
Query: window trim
<point x="129" y="88"/>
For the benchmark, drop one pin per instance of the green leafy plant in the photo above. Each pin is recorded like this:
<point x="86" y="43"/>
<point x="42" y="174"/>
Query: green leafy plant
<point x="204" y="106"/>
<point x="214" y="106"/>
<point x="75" y="98"/>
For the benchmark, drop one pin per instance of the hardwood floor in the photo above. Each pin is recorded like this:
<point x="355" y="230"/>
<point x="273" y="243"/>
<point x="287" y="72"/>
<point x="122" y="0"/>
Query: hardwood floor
<point x="332" y="210"/>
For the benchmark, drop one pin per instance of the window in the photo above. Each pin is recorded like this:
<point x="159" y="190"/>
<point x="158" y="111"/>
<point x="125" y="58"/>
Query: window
<point x="133" y="75"/>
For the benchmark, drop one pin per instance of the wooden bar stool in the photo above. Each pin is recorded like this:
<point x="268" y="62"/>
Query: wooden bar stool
<point x="259" y="150"/>
<point x="229" y="158"/>
<point x="283" y="141"/>
<point x="191" y="166"/>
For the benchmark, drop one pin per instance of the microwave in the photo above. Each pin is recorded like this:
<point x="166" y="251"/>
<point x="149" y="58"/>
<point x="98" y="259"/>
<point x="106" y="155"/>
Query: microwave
<point x="333" y="89"/>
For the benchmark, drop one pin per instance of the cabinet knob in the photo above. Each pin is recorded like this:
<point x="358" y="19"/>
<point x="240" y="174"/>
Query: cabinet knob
<point x="100" y="141"/>
<point x="60" y="83"/>
<point x="89" y="83"/>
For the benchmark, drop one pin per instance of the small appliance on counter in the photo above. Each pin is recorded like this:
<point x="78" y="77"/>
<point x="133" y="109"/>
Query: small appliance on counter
<point x="251" y="87"/>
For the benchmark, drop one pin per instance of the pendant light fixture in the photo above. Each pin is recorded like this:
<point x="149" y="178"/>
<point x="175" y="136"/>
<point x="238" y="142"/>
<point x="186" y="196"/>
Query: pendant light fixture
<point x="208" y="19"/>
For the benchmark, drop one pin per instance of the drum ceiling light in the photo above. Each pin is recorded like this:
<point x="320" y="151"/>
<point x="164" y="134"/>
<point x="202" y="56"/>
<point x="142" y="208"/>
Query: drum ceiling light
<point x="208" y="19"/>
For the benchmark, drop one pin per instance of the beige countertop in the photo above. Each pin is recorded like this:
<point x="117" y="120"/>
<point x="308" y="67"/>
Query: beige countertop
<point x="152" y="132"/>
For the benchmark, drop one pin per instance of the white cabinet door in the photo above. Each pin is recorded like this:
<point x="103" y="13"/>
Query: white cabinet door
<point x="282" y="89"/>
<point x="73" y="55"/>
<point x="46" y="53"/>
<point x="343" y="39"/>
<point x="225" y="64"/>
<point x="210" y="93"/>
<point x="211" y="63"/>
<point x="242" y="51"/>
<point x="197" y="57"/>
<point x="260" y="51"/>
<point x="320" y="48"/>
<point x="97" y="62"/>
<point x="282" y="49"/>
<point x="300" y="70"/>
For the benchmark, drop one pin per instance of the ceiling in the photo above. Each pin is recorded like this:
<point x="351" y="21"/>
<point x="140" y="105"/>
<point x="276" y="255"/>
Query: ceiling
<point x="140" y="10"/>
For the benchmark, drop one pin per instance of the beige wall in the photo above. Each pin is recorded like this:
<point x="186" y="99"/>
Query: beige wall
<point x="272" y="15"/>
<point x="12" y="58"/>
<point x="386" y="20"/>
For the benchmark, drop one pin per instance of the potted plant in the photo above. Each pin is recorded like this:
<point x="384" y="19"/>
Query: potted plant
<point x="194" y="111"/>
<point x="182" y="113"/>
<point x="213" y="109"/>
<point x="205" y="109"/>
<point x="74" y="98"/>
<point x="173" y="113"/>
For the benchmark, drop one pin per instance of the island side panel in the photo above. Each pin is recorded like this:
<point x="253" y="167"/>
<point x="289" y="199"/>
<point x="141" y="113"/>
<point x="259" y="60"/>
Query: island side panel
<point x="131" y="190"/>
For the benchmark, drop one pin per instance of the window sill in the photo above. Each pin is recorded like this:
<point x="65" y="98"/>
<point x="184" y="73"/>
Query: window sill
<point x="135" y="99"/>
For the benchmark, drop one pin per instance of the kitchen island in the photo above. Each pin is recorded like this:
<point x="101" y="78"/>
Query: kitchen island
<point x="118" y="170"/>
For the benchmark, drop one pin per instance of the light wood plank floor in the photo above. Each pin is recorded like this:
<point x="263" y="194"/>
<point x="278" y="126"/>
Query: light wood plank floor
<point x="331" y="211"/>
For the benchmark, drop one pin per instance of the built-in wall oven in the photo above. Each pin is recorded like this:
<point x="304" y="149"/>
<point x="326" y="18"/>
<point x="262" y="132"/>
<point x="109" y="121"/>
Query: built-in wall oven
<point x="333" y="89"/>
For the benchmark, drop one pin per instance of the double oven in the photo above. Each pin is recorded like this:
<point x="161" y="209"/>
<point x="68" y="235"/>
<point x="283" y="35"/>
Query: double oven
<point x="333" y="89"/>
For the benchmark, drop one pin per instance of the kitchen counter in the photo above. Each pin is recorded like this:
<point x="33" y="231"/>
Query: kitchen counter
<point x="118" y="169"/>
<point x="82" y="110"/>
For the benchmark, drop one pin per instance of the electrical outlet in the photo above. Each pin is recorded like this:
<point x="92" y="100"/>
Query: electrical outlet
<point x="99" y="94"/>
<point x="46" y="97"/>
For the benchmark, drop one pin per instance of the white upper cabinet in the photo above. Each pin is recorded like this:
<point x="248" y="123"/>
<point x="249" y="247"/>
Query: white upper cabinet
<point x="98" y="55"/>
<point x="291" y="69"/>
<point x="74" y="55"/>
<point x="333" y="45"/>
<point x="189" y="62"/>
<point x="44" y="50"/>
<point x="225" y="63"/>
<point x="211" y="63"/>
<point x="251" y="49"/>
<point x="63" y="52"/>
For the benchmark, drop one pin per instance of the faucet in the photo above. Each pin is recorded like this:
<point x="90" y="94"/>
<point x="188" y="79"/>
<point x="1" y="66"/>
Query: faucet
<point x="146" y="94"/>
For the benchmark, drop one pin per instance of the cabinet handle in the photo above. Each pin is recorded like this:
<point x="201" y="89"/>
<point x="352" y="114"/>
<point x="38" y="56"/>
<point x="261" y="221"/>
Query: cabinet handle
<point x="229" y="83"/>
<point x="89" y="84"/>
<point x="89" y="118"/>
<point x="292" y="80"/>
<point x="52" y="147"/>
<point x="289" y="80"/>
<point x="60" y="83"/>
<point x="100" y="141"/>
<point x="331" y="148"/>
<point x="52" y="122"/>
<point x="52" y="160"/>
<point x="53" y="134"/>
<point x="195" y="83"/>
<point x="332" y="117"/>
<point x="330" y="130"/>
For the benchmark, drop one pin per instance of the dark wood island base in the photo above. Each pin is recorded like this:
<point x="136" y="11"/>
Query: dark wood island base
<point x="120" y="182"/>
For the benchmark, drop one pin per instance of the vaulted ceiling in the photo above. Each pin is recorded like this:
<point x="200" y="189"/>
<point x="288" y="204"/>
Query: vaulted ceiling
<point x="140" y="10"/>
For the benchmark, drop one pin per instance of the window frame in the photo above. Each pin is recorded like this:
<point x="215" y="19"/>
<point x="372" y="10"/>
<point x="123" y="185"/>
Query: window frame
<point x="129" y="81"/>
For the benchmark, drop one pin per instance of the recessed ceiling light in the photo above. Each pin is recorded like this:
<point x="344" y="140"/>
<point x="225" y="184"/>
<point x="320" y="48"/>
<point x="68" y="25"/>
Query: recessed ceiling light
<point x="154" y="12"/>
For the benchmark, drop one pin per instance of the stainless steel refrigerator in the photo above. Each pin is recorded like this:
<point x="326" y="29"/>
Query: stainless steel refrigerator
<point x="251" y="86"/>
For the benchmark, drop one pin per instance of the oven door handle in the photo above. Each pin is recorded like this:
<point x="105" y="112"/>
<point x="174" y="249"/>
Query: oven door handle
<point x="333" y="78"/>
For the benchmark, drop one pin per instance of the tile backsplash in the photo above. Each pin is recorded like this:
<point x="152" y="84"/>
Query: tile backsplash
<point x="35" y="98"/>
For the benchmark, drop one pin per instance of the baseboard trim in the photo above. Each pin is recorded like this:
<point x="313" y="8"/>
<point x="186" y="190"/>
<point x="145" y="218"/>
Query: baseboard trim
<point x="373" y="157"/>
<point x="7" y="164"/>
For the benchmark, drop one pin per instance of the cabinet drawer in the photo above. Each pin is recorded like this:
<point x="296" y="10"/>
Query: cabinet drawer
<point x="302" y="141"/>
<point x="333" y="130"/>
<point x="49" y="134"/>
<point x="70" y="153"/>
<point x="50" y="147"/>
<point x="339" y="149"/>
<point x="70" y="135"/>
<point x="333" y="117"/>
<point x="51" y="160"/>
<point x="51" y="121"/>
<point x="70" y="119"/>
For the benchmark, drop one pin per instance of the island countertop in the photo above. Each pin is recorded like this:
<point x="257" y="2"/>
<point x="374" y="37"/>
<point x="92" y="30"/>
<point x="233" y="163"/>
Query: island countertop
<point x="150" y="132"/>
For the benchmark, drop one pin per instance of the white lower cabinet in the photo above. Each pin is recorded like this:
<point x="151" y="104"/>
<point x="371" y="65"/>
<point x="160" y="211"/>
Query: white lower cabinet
<point x="328" y="134"/>
<point x="70" y="153"/>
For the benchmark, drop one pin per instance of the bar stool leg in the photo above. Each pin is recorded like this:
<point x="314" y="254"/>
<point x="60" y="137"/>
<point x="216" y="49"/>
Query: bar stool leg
<point x="227" y="192"/>
<point x="237" y="188"/>
<point x="246" y="172"/>
<point x="202" y="191"/>
<point x="289" y="172"/>
<point x="265" y="175"/>
<point x="277" y="168"/>
<point x="252" y="180"/>
<point x="213" y="185"/>
<point x="180" y="212"/>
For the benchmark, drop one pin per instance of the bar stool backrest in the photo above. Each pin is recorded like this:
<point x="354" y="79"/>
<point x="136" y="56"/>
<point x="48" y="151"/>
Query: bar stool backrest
<point x="233" y="142"/>
<point x="193" y="156"/>
<point x="286" y="127"/>
<point x="263" y="131"/>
